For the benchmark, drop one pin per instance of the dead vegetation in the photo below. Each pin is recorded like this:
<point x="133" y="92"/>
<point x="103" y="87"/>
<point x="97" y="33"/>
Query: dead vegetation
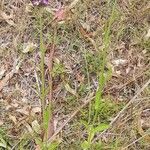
<point x="74" y="40"/>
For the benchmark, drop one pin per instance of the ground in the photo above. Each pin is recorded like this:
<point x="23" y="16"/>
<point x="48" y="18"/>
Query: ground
<point x="84" y="65"/>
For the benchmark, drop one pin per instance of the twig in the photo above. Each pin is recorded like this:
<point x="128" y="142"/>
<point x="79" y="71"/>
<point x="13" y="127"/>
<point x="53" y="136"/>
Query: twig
<point x="71" y="117"/>
<point x="125" y="107"/>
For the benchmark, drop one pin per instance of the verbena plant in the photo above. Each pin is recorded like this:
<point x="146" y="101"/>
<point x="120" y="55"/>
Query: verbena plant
<point x="92" y="127"/>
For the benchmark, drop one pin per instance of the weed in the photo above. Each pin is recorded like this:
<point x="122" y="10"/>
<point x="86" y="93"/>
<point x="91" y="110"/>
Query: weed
<point x="91" y="128"/>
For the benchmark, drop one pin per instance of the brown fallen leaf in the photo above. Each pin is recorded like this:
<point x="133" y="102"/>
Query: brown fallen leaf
<point x="36" y="110"/>
<point x="80" y="77"/>
<point x="88" y="36"/>
<point x="60" y="14"/>
<point x="28" y="47"/>
<point x="7" y="18"/>
<point x="1" y="122"/>
<point x="15" y="105"/>
<point x="15" y="69"/>
<point x="25" y="110"/>
<point x="29" y="128"/>
<point x="13" y="118"/>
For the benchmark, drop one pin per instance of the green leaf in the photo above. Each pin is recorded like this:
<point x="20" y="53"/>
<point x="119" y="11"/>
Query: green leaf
<point x="101" y="127"/>
<point x="85" y="145"/>
<point x="3" y="143"/>
<point x="47" y="115"/>
<point x="53" y="146"/>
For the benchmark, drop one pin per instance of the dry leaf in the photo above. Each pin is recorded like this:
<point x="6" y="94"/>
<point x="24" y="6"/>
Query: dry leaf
<point x="60" y="14"/>
<point x="80" y="77"/>
<point x="36" y="110"/>
<point x="28" y="8"/>
<point x="10" y="74"/>
<point x="28" y="47"/>
<point x="8" y="107"/>
<point x="147" y="36"/>
<point x="85" y="26"/>
<point x="36" y="127"/>
<point x="15" y="105"/>
<point x="7" y="18"/>
<point x="2" y="72"/>
<point x="24" y="100"/>
<point x="13" y="118"/>
<point x="11" y="22"/>
<point x="1" y="122"/>
<point x="24" y="110"/>
<point x="30" y="130"/>
<point x="69" y="89"/>
<point x="118" y="62"/>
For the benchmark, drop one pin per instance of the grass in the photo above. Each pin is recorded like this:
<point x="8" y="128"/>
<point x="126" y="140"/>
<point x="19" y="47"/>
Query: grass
<point x="94" y="37"/>
<point x="91" y="129"/>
